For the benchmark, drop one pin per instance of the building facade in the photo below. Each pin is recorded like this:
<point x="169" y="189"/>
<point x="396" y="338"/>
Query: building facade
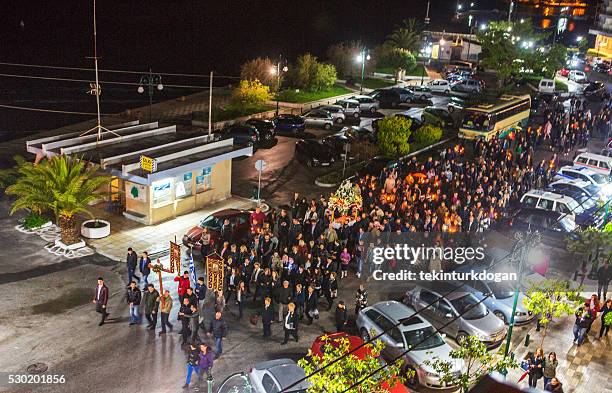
<point x="602" y="30"/>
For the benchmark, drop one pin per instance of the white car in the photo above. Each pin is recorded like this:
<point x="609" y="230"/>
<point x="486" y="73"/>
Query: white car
<point x="577" y="76"/>
<point x="336" y="111"/>
<point x="350" y="107"/>
<point x="319" y="118"/>
<point x="265" y="377"/>
<point x="366" y="103"/>
<point x="439" y="86"/>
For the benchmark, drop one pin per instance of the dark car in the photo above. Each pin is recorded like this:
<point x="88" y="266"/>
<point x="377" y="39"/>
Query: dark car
<point x="339" y="145"/>
<point x="242" y="134"/>
<point x="313" y="153"/>
<point x="289" y="124"/>
<point x="553" y="226"/>
<point x="357" y="133"/>
<point x="406" y="95"/>
<point x="375" y="166"/>
<point x="437" y="116"/>
<point x="594" y="90"/>
<point x="239" y="223"/>
<point x="602" y="68"/>
<point x="264" y="127"/>
<point x="388" y="98"/>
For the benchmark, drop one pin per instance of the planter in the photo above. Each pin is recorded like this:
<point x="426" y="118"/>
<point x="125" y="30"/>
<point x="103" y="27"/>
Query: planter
<point x="95" y="229"/>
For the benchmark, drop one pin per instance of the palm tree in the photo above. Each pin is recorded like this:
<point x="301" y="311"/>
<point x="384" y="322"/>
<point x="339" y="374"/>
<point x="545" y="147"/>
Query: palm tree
<point x="63" y="185"/>
<point x="406" y="36"/>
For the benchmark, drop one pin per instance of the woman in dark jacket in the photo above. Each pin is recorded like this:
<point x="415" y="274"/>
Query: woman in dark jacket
<point x="607" y="308"/>
<point x="536" y="366"/>
<point x="311" y="304"/>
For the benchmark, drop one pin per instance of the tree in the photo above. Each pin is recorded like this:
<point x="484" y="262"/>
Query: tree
<point x="261" y="69"/>
<point x="588" y="243"/>
<point x="393" y="134"/>
<point x="551" y="299"/>
<point x="62" y="185"/>
<point x="554" y="60"/>
<point x="338" y="377"/>
<point x="9" y="176"/>
<point x="343" y="56"/>
<point x="406" y="36"/>
<point x="251" y="92"/>
<point x="398" y="59"/>
<point x="427" y="134"/>
<point x="478" y="363"/>
<point x="309" y="74"/>
<point x="499" y="52"/>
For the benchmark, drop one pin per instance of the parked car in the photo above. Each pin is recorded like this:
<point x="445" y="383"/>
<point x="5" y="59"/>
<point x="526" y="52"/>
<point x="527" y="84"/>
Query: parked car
<point x="595" y="162"/>
<point x="338" y="145"/>
<point x="289" y="123"/>
<point x="350" y="107"/>
<point x="403" y="329"/>
<point x="454" y="104"/>
<point x="437" y="116"/>
<point x="366" y="103"/>
<point x="459" y="65"/>
<point x="264" y="127"/>
<point x="546" y="86"/>
<point x="592" y="214"/>
<point x="594" y="90"/>
<point x="553" y="227"/>
<point x="467" y="86"/>
<point x="360" y="352"/>
<point x="313" y="153"/>
<point x="416" y="123"/>
<point x="439" y="86"/>
<point x="577" y="76"/>
<point x="358" y="133"/>
<point x="243" y="135"/>
<point x="388" y="98"/>
<point x="472" y="317"/>
<point x="584" y="173"/>
<point x="337" y="112"/>
<point x="602" y="67"/>
<point x="564" y="72"/>
<point x="267" y="377"/>
<point x="406" y="95"/>
<point x="501" y="297"/>
<point x="584" y="214"/>
<point x="423" y="92"/>
<point x="238" y="221"/>
<point x="319" y="118"/>
<point x="579" y="186"/>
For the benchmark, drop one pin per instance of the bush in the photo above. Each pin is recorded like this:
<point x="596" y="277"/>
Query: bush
<point x="259" y="69"/>
<point x="309" y="74"/>
<point x="427" y="134"/>
<point x="393" y="134"/>
<point x="398" y="59"/>
<point x="34" y="220"/>
<point x="251" y="92"/>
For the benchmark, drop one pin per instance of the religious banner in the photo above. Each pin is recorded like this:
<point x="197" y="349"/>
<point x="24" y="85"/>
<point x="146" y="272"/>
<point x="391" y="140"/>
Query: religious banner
<point x="175" y="258"/>
<point x="215" y="272"/>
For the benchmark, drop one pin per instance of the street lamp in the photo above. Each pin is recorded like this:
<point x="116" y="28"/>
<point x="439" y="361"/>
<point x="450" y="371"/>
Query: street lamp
<point x="524" y="244"/>
<point x="277" y="71"/>
<point x="362" y="58"/>
<point x="152" y="81"/>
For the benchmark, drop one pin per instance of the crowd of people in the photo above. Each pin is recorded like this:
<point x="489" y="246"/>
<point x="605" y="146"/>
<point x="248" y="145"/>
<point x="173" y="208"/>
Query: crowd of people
<point x="291" y="264"/>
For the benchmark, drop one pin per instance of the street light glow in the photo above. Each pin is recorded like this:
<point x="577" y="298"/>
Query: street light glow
<point x="442" y="42"/>
<point x="472" y="4"/>
<point x="160" y="87"/>
<point x="483" y="26"/>
<point x="140" y="89"/>
<point x="285" y="69"/>
<point x="273" y="70"/>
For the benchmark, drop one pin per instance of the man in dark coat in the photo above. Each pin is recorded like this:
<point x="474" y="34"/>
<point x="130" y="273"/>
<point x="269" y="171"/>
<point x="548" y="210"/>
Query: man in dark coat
<point x="290" y="323"/>
<point x="341" y="316"/>
<point x="151" y="305"/>
<point x="100" y="299"/>
<point x="267" y="316"/>
<point x="132" y="262"/>
<point x="311" y="304"/>
<point x="145" y="268"/>
<point x="133" y="299"/>
<point x="218" y="329"/>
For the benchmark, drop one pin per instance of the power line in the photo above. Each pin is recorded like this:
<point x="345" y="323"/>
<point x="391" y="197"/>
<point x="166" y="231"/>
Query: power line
<point x="51" y="110"/>
<point x="114" y="71"/>
<point x="101" y="82"/>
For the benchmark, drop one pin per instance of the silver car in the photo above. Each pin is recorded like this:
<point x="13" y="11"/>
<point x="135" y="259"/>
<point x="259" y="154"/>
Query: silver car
<point x="366" y="103"/>
<point x="266" y="377"/>
<point x="412" y="333"/>
<point x="337" y="112"/>
<point x="469" y="316"/>
<point x="350" y="107"/>
<point x="319" y="118"/>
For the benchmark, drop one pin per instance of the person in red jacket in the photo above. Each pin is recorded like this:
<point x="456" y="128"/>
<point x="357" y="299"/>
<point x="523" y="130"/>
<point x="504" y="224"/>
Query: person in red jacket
<point x="184" y="283"/>
<point x="257" y="218"/>
<point x="593" y="306"/>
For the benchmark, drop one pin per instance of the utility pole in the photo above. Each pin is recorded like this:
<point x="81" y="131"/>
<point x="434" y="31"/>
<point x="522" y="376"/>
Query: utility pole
<point x="210" y="88"/>
<point x="363" y="60"/>
<point x="510" y="9"/>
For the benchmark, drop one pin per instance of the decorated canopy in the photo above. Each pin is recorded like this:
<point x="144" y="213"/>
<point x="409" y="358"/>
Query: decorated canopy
<point x="347" y="197"/>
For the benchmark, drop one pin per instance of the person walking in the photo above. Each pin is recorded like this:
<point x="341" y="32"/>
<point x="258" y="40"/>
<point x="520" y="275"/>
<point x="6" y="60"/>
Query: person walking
<point x="183" y="314"/>
<point x="536" y="364"/>
<point x="605" y="310"/>
<point x="284" y="298"/>
<point x="101" y="299"/>
<point x="192" y="363"/>
<point x="151" y="305"/>
<point x="218" y="329"/>
<point x="604" y="275"/>
<point x="291" y="324"/>
<point x="200" y="291"/>
<point x="550" y="368"/>
<point x="134" y="296"/>
<point x="582" y="323"/>
<point x="361" y="299"/>
<point x="240" y="298"/>
<point x="341" y="316"/>
<point x="219" y="301"/>
<point x="267" y="316"/>
<point x="205" y="364"/>
<point x="194" y="323"/>
<point x="166" y="307"/>
<point x="312" y="311"/>
<point x="145" y="268"/>
<point x="132" y="263"/>
<point x="183" y="284"/>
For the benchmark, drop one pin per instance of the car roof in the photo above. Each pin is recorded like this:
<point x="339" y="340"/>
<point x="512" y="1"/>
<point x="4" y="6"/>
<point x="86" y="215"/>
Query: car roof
<point x="574" y="182"/>
<point x="360" y="96"/>
<point x="447" y="289"/>
<point x="594" y="156"/>
<point x="285" y="371"/>
<point x="547" y="195"/>
<point x="227" y="212"/>
<point x="399" y="312"/>
<point x="578" y="168"/>
<point x="349" y="100"/>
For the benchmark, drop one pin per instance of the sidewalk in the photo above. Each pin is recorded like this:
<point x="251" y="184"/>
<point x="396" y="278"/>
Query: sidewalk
<point x="152" y="238"/>
<point x="584" y="369"/>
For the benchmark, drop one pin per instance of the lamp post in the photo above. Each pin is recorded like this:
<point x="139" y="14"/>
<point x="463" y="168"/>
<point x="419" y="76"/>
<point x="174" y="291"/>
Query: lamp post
<point x="152" y="81"/>
<point x="362" y="58"/>
<point x="524" y="243"/>
<point x="277" y="71"/>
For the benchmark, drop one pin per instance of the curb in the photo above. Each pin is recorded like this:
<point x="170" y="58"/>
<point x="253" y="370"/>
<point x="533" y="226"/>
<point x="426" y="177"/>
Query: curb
<point x="325" y="185"/>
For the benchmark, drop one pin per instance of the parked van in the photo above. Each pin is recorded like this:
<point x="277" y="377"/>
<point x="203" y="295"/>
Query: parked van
<point x="596" y="162"/>
<point x="546" y="86"/>
<point x="551" y="201"/>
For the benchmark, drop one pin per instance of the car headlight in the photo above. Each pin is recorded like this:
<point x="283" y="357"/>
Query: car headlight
<point x="520" y="314"/>
<point x="483" y="337"/>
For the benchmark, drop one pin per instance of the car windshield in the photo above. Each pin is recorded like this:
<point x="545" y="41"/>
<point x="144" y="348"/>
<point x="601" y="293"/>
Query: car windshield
<point x="423" y="339"/>
<point x="469" y="307"/>
<point x="501" y="290"/>
<point x="586" y="202"/>
<point x="211" y="222"/>
<point x="238" y="383"/>
<point x="477" y="121"/>
<point x="599" y="179"/>
<point x="574" y="207"/>
<point x="592" y="189"/>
